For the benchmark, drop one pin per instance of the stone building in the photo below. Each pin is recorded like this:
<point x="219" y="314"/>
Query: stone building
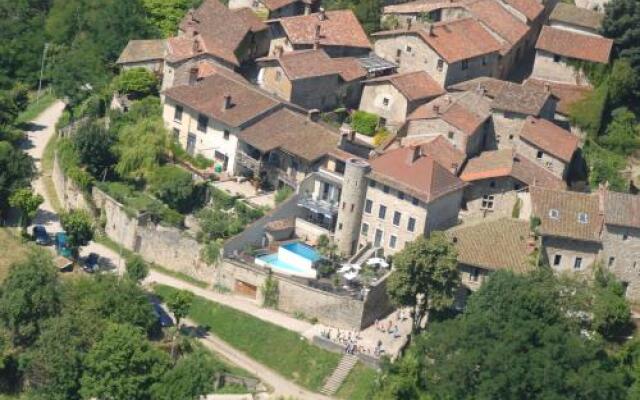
<point x="558" y="50"/>
<point x="572" y="18"/>
<point x="313" y="80"/>
<point x="566" y="95"/>
<point x="337" y="32"/>
<point x="147" y="54"/>
<point x="394" y="97"/>
<point x="214" y="33"/>
<point x="450" y="52"/>
<point x="571" y="226"/>
<point x="495" y="179"/>
<point x="271" y="9"/>
<point x="462" y="118"/>
<point x="548" y="145"/>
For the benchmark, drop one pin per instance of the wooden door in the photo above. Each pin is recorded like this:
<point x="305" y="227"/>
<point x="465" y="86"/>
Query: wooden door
<point x="246" y="289"/>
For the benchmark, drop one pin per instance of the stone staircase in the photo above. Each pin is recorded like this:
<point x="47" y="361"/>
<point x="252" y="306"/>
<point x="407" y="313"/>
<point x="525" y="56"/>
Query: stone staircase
<point x="338" y="376"/>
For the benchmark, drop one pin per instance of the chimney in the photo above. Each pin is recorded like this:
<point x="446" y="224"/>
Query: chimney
<point x="313" y="115"/>
<point x="193" y="76"/>
<point x="307" y="8"/>
<point x="226" y="102"/>
<point x="194" y="33"/>
<point x="321" y="14"/>
<point x="196" y="46"/>
<point x="316" y="40"/>
<point x="430" y="28"/>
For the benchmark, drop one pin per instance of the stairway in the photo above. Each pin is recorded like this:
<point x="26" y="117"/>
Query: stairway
<point x="338" y="376"/>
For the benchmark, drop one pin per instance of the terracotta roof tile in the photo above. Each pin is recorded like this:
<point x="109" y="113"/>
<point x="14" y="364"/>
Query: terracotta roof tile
<point x="454" y="40"/>
<point x="466" y="111"/>
<point x="567" y="208"/>
<point x="622" y="209"/>
<point x="142" y="50"/>
<point x="444" y="153"/>
<point x="339" y="28"/>
<point x="420" y="6"/>
<point x="574" y="45"/>
<point x="502" y="163"/>
<point x="494" y="245"/>
<point x="312" y="63"/>
<point x="275" y="4"/>
<point x="529" y="8"/>
<point x="520" y="99"/>
<point x="566" y="94"/>
<point x="499" y="20"/>
<point x="550" y="137"/>
<point x="491" y="86"/>
<point x="291" y="132"/>
<point x="207" y="97"/>
<point x="415" y="173"/>
<point x="417" y="85"/>
<point x="570" y="14"/>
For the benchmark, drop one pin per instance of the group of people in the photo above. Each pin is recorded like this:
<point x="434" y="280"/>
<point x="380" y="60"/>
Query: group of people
<point x="390" y="328"/>
<point x="350" y="341"/>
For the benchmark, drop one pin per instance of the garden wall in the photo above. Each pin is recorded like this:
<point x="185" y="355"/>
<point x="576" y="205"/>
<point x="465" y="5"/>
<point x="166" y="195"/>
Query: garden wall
<point x="71" y="196"/>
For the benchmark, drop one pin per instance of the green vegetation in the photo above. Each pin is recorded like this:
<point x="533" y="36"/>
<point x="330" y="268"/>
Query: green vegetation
<point x="283" y="194"/>
<point x="18" y="253"/>
<point x="178" y="153"/>
<point x="136" y="82"/>
<point x="36" y="107"/>
<point x="359" y="384"/>
<point x="227" y="216"/>
<point x="165" y="15"/>
<point x="275" y="347"/>
<point x="174" y="186"/>
<point x="364" y="122"/>
<point x="28" y="203"/>
<point x="270" y="291"/>
<point x="368" y="12"/>
<point x="136" y="269"/>
<point x="79" y="227"/>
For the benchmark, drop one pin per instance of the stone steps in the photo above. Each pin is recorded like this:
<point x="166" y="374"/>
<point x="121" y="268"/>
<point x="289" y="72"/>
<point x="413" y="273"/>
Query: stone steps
<point x="338" y="376"/>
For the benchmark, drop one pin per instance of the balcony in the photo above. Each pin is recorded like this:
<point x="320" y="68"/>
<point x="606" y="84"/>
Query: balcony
<point x="318" y="206"/>
<point x="249" y="162"/>
<point x="288" y="179"/>
<point x="333" y="177"/>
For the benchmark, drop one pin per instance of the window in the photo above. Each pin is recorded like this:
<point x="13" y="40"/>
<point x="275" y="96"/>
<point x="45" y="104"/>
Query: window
<point x="511" y="137"/>
<point x="278" y="76"/>
<point x="465" y="64"/>
<point x="415" y="201"/>
<point x="625" y="236"/>
<point x="554" y="214"/>
<point x="393" y="240"/>
<point x="440" y="65"/>
<point x="411" y="225"/>
<point x="556" y="58"/>
<point x="583" y="218"/>
<point x="450" y="135"/>
<point x="612" y="261"/>
<point x="225" y="134"/>
<point x="484" y="60"/>
<point x="372" y="184"/>
<point x="475" y="275"/>
<point x="176" y="134"/>
<point x="203" y="121"/>
<point x="177" y="116"/>
<point x="385" y="101"/>
<point x="382" y="211"/>
<point x="398" y="53"/>
<point x="577" y="263"/>
<point x="401" y="195"/>
<point x="385" y="189"/>
<point x="344" y="204"/>
<point x="539" y="155"/>
<point x="352" y="207"/>
<point x="408" y="49"/>
<point x="396" y="218"/>
<point x="365" y="229"/>
<point x="368" y="206"/>
<point x="557" y="259"/>
<point x="487" y="201"/>
<point x="492" y="184"/>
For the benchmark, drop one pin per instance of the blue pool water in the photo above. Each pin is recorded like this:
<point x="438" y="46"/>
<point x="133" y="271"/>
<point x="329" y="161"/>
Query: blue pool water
<point x="274" y="261"/>
<point x="303" y="250"/>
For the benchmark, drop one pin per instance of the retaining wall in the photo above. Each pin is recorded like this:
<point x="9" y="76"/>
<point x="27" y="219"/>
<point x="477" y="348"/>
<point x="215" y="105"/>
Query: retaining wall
<point x="71" y="196"/>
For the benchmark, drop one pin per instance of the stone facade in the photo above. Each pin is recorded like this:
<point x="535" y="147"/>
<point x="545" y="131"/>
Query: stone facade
<point x="563" y="254"/>
<point x="507" y="125"/>
<point x="555" y="68"/>
<point x="552" y="163"/>
<point x="394" y="112"/>
<point x="621" y="255"/>
<point x="411" y="53"/>
<point x="472" y="277"/>
<point x="492" y="197"/>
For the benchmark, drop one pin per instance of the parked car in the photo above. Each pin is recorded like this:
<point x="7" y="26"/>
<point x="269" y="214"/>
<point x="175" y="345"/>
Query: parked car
<point x="41" y="235"/>
<point x="91" y="263"/>
<point x="62" y="245"/>
<point x="164" y="318"/>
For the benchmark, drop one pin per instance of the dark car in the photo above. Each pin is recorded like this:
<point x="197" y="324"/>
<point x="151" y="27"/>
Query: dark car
<point x="91" y="262"/>
<point x="163" y="317"/>
<point x="41" y="235"/>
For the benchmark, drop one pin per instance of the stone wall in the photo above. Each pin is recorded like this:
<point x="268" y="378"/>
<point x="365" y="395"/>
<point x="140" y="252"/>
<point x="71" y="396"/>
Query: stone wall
<point x="569" y="250"/>
<point x="71" y="196"/>
<point x="621" y="247"/>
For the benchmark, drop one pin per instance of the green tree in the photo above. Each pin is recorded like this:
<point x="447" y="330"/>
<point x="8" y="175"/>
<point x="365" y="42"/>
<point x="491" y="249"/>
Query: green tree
<point x="137" y="269"/>
<point x="79" y="228"/>
<point x="364" y="122"/>
<point x="137" y="82"/>
<point x="425" y="276"/>
<point x="173" y="185"/>
<point x="179" y="304"/>
<point x="94" y="146"/>
<point x="270" y="291"/>
<point x="212" y="252"/>
<point x="190" y="378"/>
<point x="28" y="296"/>
<point x="122" y="365"/>
<point x="166" y="15"/>
<point x="623" y="133"/>
<point x="610" y="310"/>
<point x="16" y="171"/>
<point x="620" y="23"/>
<point x="27" y="202"/>
<point x="514" y="341"/>
<point x="140" y="148"/>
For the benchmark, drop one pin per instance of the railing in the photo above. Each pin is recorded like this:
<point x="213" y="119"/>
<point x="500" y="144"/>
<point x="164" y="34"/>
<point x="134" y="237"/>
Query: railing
<point x="318" y="206"/>
<point x="288" y="179"/>
<point x="249" y="162"/>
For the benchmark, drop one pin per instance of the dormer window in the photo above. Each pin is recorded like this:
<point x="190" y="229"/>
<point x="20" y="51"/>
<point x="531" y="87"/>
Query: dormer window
<point x="554" y="214"/>
<point x="583" y="218"/>
<point x="385" y="101"/>
<point x="408" y="49"/>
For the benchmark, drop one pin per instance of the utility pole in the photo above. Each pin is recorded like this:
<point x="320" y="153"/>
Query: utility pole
<point x="44" y="56"/>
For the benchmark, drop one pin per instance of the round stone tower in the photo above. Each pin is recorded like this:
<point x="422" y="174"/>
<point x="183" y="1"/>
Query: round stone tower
<point x="354" y="190"/>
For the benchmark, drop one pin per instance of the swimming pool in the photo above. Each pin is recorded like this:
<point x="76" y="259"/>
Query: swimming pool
<point x="292" y="259"/>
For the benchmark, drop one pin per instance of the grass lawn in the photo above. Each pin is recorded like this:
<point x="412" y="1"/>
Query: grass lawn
<point x="18" y="250"/>
<point x="359" y="383"/>
<point x="47" y="168"/>
<point x="277" y="348"/>
<point x="34" y="109"/>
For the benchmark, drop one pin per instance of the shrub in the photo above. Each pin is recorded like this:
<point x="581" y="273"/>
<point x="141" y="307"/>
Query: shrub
<point x="380" y="136"/>
<point x="138" y="82"/>
<point x="364" y="122"/>
<point x="282" y="194"/>
<point x="173" y="185"/>
<point x="222" y="199"/>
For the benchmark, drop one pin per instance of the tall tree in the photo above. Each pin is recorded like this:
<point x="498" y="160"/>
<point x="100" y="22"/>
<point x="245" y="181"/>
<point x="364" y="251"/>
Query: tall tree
<point x="140" y="148"/>
<point x="189" y="379"/>
<point x="16" y="171"/>
<point x="27" y="202"/>
<point x="137" y="269"/>
<point x="173" y="185"/>
<point x="122" y="365"/>
<point x="79" y="228"/>
<point x="94" y="145"/>
<point x="179" y="304"/>
<point x="425" y="276"/>
<point x="622" y="24"/>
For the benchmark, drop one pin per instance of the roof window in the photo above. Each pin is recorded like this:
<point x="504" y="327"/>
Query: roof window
<point x="583" y="218"/>
<point x="554" y="214"/>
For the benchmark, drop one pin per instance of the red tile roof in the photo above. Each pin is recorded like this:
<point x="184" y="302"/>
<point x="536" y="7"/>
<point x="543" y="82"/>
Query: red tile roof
<point x="415" y="173"/>
<point x="444" y="153"/>
<point x="207" y="97"/>
<point x="499" y="20"/>
<point x="574" y="45"/>
<point x="312" y="63"/>
<point x="529" y="8"/>
<point x="550" y="137"/>
<point x="502" y="163"/>
<point x="339" y="28"/>
<point x="218" y="30"/>
<point x="416" y="85"/>
<point x="454" y="40"/>
<point x="466" y="111"/>
<point x="566" y="94"/>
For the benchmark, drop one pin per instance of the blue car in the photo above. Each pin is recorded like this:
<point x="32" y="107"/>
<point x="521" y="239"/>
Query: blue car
<point x="164" y="319"/>
<point x="91" y="263"/>
<point x="41" y="235"/>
